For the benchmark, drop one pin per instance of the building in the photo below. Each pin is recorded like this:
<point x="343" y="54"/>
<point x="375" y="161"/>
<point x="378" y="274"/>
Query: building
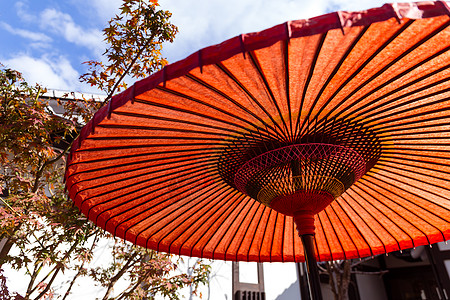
<point x="420" y="273"/>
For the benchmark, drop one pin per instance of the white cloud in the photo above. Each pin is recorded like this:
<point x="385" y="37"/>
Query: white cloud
<point x="22" y="12"/>
<point x="104" y="9"/>
<point x="63" y="24"/>
<point x="33" y="36"/>
<point x="203" y="23"/>
<point x="53" y="73"/>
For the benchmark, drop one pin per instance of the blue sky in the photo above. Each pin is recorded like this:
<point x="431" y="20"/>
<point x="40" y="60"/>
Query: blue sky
<point x="48" y="40"/>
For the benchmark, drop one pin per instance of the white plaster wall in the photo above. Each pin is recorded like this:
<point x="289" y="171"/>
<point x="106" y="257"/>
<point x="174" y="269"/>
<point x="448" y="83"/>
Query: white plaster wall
<point x="281" y="281"/>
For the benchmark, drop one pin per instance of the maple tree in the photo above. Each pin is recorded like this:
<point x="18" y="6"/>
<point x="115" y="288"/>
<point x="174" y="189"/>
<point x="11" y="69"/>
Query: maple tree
<point x="135" y="38"/>
<point x="42" y="233"/>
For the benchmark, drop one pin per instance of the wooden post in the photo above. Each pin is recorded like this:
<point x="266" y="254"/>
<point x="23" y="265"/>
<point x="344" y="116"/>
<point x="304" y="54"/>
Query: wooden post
<point x="311" y="265"/>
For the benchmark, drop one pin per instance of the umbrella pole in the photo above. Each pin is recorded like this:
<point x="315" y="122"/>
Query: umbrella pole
<point x="311" y="265"/>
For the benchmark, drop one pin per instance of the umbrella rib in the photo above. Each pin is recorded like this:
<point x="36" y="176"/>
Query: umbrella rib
<point x="397" y="213"/>
<point x="136" y="176"/>
<point x="423" y="105"/>
<point x="384" y="134"/>
<point x="377" y="113"/>
<point x="437" y="141"/>
<point x="386" y="151"/>
<point x="257" y="226"/>
<point x="182" y="122"/>
<point x="273" y="234"/>
<point x="422" y="126"/>
<point x="391" y="128"/>
<point x="215" y="204"/>
<point x="283" y="237"/>
<point x="221" y="238"/>
<point x="336" y="69"/>
<point x="373" y="149"/>
<point x="206" y="192"/>
<point x="256" y="64"/>
<point x="145" y="154"/>
<point x="213" y="189"/>
<point x="344" y="227"/>
<point x="225" y="112"/>
<point x="335" y="233"/>
<point x="203" y="198"/>
<point x="293" y="241"/>
<point x="428" y="144"/>
<point x="250" y="95"/>
<point x="158" y="137"/>
<point x="325" y="235"/>
<point x="298" y="127"/>
<point x="373" y="111"/>
<point x="366" y="107"/>
<point x="192" y="171"/>
<point x="405" y="126"/>
<point x="230" y="99"/>
<point x="409" y="177"/>
<point x="384" y="161"/>
<point x="423" y="121"/>
<point x="264" y="233"/>
<point x="437" y="204"/>
<point x="183" y="158"/>
<point x="140" y="212"/>
<point x="405" y="136"/>
<point x="316" y="166"/>
<point x="366" y="223"/>
<point x="378" y="221"/>
<point x="351" y="220"/>
<point x="133" y="192"/>
<point x="199" y="164"/>
<point x="190" y="112"/>
<point x="286" y="80"/>
<point x="360" y="68"/>
<point x="391" y="63"/>
<point x="253" y="203"/>
<point x="238" y="202"/>
<point x="134" y="147"/>
<point x="413" y="213"/>
<point x="134" y="207"/>
<point x="148" y="128"/>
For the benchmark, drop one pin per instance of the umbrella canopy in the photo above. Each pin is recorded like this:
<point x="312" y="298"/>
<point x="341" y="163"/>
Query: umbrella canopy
<point x="220" y="154"/>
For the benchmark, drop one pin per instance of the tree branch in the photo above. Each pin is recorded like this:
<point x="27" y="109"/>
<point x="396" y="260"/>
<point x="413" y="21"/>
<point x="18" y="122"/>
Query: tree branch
<point x="116" y="277"/>
<point x="57" y="268"/>
<point x="108" y="97"/>
<point x="81" y="267"/>
<point x="331" y="278"/>
<point x="371" y="273"/>
<point x="111" y="93"/>
<point x="360" y="261"/>
<point x="19" y="215"/>
<point x="33" y="279"/>
<point x="49" y="162"/>
<point x="133" y="288"/>
<point x="5" y="249"/>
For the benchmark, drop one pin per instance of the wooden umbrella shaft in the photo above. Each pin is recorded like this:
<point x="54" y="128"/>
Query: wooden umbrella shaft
<point x="311" y="265"/>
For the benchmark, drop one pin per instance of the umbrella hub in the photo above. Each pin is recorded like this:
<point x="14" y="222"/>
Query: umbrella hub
<point x="300" y="178"/>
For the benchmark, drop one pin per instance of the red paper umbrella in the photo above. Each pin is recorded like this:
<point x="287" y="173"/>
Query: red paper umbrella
<point x="339" y="124"/>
